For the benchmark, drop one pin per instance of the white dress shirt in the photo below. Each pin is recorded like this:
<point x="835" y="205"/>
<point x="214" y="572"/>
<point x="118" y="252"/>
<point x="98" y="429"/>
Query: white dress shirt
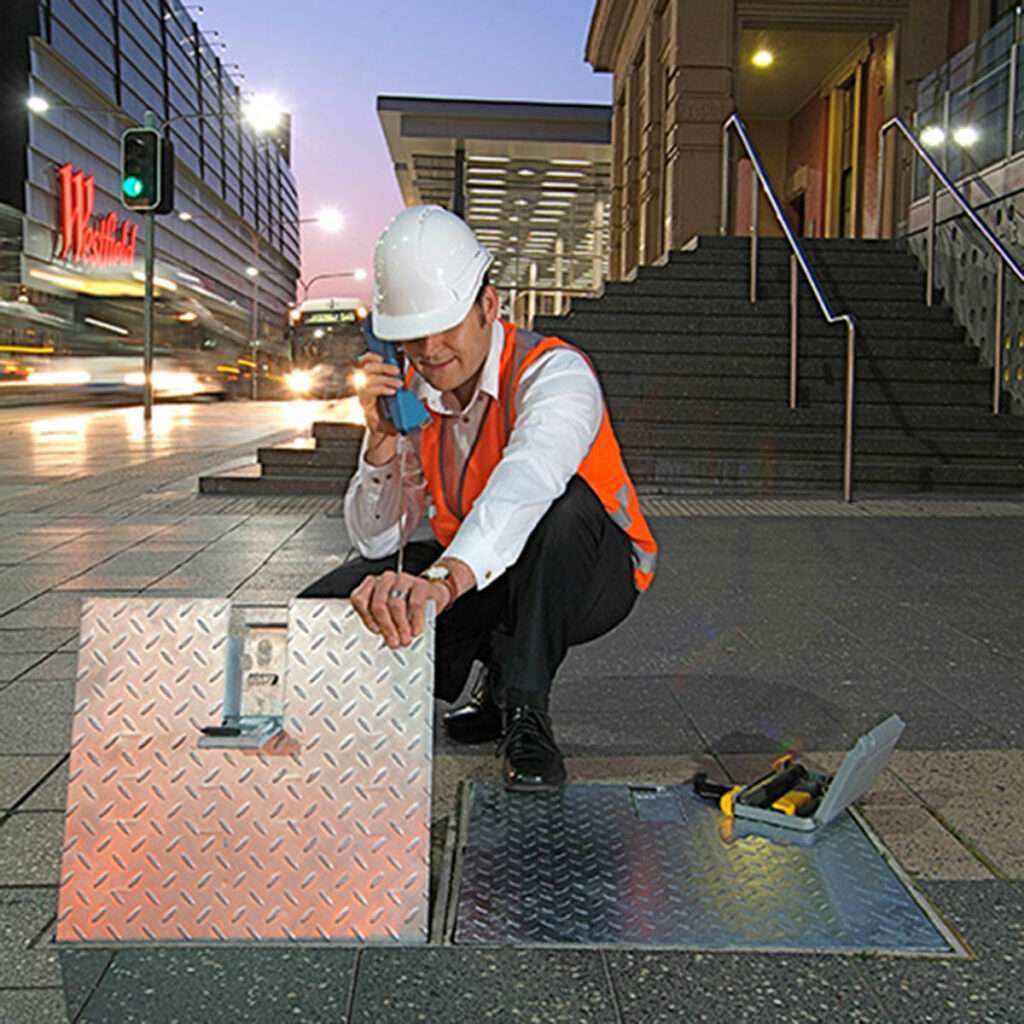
<point x="558" y="414"/>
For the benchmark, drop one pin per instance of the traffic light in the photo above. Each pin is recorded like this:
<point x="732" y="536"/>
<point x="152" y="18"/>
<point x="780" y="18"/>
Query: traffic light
<point x="147" y="171"/>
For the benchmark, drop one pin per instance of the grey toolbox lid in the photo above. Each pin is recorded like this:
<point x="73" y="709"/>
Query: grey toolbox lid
<point x="860" y="769"/>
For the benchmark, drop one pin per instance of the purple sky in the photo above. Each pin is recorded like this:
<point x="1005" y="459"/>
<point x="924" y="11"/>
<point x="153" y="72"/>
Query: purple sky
<point x="328" y="60"/>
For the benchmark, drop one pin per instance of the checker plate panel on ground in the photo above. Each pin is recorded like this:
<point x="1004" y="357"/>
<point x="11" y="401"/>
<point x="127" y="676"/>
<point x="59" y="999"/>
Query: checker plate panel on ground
<point x="323" y="834"/>
<point x="581" y="867"/>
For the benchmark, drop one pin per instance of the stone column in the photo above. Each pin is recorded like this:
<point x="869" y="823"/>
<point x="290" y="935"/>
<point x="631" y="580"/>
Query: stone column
<point x="700" y="98"/>
<point x="616" y="256"/>
<point x="631" y="168"/>
<point x="652" y="150"/>
<point x="597" y="267"/>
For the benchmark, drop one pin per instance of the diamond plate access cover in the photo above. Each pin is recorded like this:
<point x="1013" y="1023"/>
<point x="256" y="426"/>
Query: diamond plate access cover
<point x="324" y="833"/>
<point x="605" y="864"/>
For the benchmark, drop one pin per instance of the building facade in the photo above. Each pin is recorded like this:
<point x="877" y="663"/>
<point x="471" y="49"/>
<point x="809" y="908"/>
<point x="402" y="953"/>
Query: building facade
<point x="71" y="257"/>
<point x="813" y="79"/>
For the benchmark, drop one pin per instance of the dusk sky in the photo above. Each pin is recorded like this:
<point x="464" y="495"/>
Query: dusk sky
<point x="328" y="60"/>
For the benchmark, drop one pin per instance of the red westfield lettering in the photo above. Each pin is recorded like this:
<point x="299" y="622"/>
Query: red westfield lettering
<point x="100" y="244"/>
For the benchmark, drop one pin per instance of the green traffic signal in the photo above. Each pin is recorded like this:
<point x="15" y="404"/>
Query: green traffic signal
<point x="132" y="187"/>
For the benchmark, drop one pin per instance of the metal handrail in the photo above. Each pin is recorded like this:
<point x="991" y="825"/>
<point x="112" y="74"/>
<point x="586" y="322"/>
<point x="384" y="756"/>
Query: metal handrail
<point x="798" y="258"/>
<point x="1005" y="259"/>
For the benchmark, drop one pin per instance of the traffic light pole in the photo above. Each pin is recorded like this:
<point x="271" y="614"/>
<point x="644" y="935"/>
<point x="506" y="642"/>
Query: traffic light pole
<point x="147" y="308"/>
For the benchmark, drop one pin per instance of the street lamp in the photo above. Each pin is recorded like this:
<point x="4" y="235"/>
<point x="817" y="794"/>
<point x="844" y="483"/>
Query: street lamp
<point x="330" y="220"/>
<point x="358" y="274"/>
<point x="253" y="273"/>
<point x="264" y="113"/>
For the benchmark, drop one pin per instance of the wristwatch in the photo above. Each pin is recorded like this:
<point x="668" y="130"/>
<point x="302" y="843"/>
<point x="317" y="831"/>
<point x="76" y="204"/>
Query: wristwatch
<point x="442" y="574"/>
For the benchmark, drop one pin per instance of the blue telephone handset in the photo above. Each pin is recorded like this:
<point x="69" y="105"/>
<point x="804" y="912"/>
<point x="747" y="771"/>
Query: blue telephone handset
<point x="403" y="409"/>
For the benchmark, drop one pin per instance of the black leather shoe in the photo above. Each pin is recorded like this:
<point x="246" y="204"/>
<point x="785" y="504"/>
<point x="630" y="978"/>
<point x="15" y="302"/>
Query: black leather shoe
<point x="533" y="762"/>
<point x="479" y="720"/>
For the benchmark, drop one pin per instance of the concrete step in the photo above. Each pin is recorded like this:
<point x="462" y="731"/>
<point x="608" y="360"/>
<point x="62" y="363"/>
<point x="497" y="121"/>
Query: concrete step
<point x="261" y="485"/>
<point x="332" y="457"/>
<point x="768" y="415"/>
<point x="776" y="277"/>
<point x="329" y="432"/>
<point x="734" y="389"/>
<point x="596" y="343"/>
<point x="692" y="303"/>
<point x="575" y="325"/>
<point x="766" y="474"/>
<point x="777" y="242"/>
<point x="737" y="287"/>
<point x="776" y="366"/>
<point x="639" y="439"/>
<point x="776" y="252"/>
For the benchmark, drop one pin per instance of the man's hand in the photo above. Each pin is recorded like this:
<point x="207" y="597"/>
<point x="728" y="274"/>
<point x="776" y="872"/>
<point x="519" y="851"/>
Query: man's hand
<point x="394" y="605"/>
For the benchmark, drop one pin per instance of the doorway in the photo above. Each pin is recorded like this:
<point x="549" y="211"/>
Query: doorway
<point x="846" y="156"/>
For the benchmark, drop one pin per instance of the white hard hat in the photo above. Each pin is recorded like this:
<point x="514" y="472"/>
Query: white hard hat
<point x="428" y="267"/>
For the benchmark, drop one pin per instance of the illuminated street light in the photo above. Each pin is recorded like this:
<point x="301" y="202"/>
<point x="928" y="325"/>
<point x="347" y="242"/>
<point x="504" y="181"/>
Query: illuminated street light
<point x="933" y="136"/>
<point x="38" y="105"/>
<point x="252" y="272"/>
<point x="966" y="136"/>
<point x="185" y="216"/>
<point x="300" y="382"/>
<point x="763" y="59"/>
<point x="330" y="220"/>
<point x="263" y="113"/>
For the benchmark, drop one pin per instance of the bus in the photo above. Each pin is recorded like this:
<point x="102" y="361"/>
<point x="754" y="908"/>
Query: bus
<point x="326" y="338"/>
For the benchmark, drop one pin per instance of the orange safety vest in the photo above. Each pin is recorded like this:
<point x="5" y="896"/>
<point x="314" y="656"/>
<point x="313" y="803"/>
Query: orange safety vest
<point x="602" y="468"/>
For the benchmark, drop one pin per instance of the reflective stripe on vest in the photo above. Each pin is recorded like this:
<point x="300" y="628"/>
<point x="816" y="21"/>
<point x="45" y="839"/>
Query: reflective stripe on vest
<point x="602" y="467"/>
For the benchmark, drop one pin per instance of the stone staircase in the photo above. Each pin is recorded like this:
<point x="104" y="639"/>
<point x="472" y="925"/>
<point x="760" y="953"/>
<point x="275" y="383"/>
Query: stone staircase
<point x="697" y="382"/>
<point x="697" y="378"/>
<point x="321" y="464"/>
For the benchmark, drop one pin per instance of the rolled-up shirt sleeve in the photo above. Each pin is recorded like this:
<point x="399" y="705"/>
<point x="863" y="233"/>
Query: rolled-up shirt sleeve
<point x="558" y="414"/>
<point x="379" y="499"/>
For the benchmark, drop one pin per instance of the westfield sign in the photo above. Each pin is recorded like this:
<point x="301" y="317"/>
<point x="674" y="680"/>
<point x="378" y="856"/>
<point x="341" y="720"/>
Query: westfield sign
<point x="100" y="242"/>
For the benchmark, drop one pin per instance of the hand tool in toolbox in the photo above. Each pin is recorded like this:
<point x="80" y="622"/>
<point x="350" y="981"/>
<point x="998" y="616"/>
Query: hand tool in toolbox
<point x="794" y="796"/>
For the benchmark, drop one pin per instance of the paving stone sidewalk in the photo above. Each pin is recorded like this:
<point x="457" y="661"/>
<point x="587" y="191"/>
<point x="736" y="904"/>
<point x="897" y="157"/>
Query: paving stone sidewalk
<point x="768" y="626"/>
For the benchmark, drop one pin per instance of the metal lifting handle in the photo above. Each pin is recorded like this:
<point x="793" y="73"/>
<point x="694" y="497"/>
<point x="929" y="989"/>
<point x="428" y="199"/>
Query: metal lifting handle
<point x="1005" y="259"/>
<point x="798" y="260"/>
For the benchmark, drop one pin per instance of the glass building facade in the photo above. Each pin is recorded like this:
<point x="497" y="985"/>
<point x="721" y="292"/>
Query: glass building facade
<point x="101" y="64"/>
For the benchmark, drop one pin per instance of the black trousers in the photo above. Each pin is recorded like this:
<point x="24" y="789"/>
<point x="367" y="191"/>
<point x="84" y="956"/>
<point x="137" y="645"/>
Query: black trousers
<point x="572" y="583"/>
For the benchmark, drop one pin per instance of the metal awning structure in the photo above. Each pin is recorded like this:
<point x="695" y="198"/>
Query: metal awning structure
<point x="531" y="179"/>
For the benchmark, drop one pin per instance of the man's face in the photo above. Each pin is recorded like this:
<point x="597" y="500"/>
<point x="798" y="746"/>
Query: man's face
<point x="452" y="359"/>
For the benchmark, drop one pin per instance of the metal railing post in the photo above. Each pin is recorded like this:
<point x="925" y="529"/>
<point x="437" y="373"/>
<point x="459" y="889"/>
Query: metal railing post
<point x="929" y="288"/>
<point x="880" y="217"/>
<point x="794" y="322"/>
<point x="851" y="342"/>
<point x="997" y="355"/>
<point x="1011" y="102"/>
<point x="755" y="230"/>
<point x="945" y="127"/>
<point x="723" y="220"/>
<point x="798" y="264"/>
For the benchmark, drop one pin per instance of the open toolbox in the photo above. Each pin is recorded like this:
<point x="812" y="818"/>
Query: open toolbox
<point x="796" y="797"/>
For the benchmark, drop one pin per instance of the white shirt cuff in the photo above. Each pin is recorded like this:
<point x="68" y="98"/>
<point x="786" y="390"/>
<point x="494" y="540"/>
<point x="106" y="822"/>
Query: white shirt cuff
<point x="481" y="559"/>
